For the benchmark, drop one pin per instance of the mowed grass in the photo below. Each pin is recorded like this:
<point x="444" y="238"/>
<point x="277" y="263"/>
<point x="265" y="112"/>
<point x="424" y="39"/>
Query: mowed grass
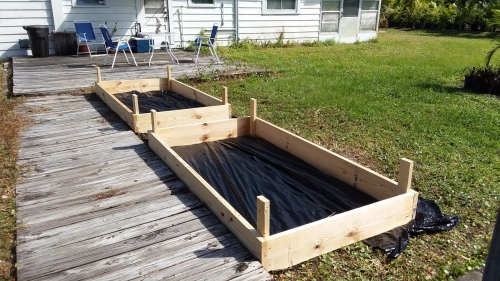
<point x="379" y="102"/>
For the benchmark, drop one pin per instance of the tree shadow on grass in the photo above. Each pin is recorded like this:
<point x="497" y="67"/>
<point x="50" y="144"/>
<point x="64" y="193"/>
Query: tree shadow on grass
<point x="450" y="90"/>
<point x="454" y="33"/>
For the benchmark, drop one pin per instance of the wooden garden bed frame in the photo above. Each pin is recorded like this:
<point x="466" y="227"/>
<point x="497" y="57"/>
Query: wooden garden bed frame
<point x="215" y="109"/>
<point x="396" y="206"/>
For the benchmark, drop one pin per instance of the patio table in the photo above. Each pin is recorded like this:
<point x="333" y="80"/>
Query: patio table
<point x="165" y="44"/>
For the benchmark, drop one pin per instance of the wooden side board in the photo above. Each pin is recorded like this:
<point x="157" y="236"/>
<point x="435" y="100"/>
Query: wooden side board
<point x="116" y="105"/>
<point x="328" y="162"/>
<point x="291" y="247"/>
<point x="294" y="246"/>
<point x="245" y="232"/>
<point x="183" y="117"/>
<point x="194" y="94"/>
<point x="140" y="85"/>
<point x="205" y="132"/>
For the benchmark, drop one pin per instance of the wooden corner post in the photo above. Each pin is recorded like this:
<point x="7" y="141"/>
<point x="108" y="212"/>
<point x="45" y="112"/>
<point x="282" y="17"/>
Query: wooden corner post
<point x="154" y="123"/>
<point x="405" y="175"/>
<point x="98" y="74"/>
<point x="169" y="78"/>
<point x="263" y="216"/>
<point x="253" y="116"/>
<point x="135" y="103"/>
<point x="224" y="95"/>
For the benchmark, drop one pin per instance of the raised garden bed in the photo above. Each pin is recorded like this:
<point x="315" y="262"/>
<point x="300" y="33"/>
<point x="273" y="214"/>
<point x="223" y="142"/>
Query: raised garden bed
<point x="135" y="90"/>
<point x="389" y="204"/>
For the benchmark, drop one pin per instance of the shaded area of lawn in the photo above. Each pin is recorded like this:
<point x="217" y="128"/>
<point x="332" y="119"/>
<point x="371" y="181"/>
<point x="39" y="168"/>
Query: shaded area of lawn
<point x="11" y="124"/>
<point x="378" y="102"/>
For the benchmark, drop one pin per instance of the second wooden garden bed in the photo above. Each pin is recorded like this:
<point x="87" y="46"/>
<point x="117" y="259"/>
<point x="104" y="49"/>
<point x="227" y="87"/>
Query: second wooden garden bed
<point x="214" y="109"/>
<point x="395" y="201"/>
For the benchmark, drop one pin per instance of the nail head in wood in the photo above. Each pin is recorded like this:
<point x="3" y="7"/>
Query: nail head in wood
<point x="153" y="121"/>
<point x="135" y="102"/>
<point x="253" y="115"/>
<point x="405" y="175"/>
<point x="263" y="216"/>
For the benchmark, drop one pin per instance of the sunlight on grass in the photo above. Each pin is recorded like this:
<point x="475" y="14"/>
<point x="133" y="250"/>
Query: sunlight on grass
<point x="378" y="102"/>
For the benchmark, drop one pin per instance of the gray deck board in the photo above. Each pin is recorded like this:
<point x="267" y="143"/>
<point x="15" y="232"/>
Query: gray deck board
<point x="150" y="227"/>
<point x="55" y="74"/>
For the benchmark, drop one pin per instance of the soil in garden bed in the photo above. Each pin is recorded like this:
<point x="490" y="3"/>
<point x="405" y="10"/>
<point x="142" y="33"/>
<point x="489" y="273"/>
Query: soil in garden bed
<point x="242" y="168"/>
<point x="157" y="100"/>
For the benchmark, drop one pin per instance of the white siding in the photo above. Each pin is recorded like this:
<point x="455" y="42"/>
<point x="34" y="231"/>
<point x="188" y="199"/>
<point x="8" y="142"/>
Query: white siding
<point x="194" y="19"/>
<point x="123" y="12"/>
<point x="301" y="27"/>
<point x="16" y="14"/>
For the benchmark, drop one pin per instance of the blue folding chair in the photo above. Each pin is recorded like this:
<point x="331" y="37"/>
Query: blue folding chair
<point x="86" y="37"/>
<point x="198" y="42"/>
<point x="121" y="45"/>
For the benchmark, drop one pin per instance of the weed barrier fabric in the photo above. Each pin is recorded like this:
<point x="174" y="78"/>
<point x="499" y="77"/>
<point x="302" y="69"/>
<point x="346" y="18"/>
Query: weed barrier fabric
<point x="157" y="100"/>
<point x="240" y="169"/>
<point x="428" y="219"/>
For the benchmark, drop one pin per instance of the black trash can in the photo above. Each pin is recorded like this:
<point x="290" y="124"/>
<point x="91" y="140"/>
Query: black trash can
<point x="39" y="40"/>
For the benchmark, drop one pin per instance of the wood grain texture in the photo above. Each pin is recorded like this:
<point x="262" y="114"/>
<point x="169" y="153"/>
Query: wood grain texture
<point x="97" y="204"/>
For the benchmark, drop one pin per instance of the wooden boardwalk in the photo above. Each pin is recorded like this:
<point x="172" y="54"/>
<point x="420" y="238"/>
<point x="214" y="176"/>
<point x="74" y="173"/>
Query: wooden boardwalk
<point x="54" y="75"/>
<point x="96" y="204"/>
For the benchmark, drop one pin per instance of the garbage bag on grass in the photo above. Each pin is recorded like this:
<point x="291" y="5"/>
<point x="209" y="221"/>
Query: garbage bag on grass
<point x="428" y="219"/>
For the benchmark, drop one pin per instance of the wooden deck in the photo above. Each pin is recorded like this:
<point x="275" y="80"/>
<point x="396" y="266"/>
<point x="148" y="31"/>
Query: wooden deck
<point x="96" y="204"/>
<point x="54" y="74"/>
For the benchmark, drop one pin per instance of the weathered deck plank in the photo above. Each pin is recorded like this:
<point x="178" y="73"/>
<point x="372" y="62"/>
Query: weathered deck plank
<point x="97" y="204"/>
<point x="67" y="74"/>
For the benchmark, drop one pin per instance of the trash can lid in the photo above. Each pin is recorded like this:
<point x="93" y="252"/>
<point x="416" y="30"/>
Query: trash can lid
<point x="26" y="27"/>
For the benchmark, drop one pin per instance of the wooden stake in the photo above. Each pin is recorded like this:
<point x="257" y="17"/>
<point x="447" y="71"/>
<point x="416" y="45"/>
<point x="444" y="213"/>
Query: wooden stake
<point x="405" y="175"/>
<point x="154" y="121"/>
<point x="98" y="74"/>
<point x="263" y="215"/>
<point x="253" y="115"/>
<point x="224" y="95"/>
<point x="135" y="103"/>
<point x="169" y="78"/>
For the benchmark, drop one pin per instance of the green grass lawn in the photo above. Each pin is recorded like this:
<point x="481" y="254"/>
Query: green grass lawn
<point x="376" y="103"/>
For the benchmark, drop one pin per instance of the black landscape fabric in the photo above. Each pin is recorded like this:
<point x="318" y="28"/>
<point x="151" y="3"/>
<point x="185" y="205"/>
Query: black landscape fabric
<point x="157" y="100"/>
<point x="242" y="168"/>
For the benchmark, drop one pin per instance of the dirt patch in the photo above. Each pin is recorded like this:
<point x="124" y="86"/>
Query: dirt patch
<point x="108" y="194"/>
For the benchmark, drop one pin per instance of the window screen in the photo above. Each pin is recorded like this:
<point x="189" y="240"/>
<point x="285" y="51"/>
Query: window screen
<point x="351" y="8"/>
<point x="91" y="2"/>
<point x="281" y="4"/>
<point x="369" y="5"/>
<point x="202" y="1"/>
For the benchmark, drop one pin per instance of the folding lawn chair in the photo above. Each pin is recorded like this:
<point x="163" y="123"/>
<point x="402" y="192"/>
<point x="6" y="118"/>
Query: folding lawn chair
<point x="86" y="37"/>
<point x="121" y="45"/>
<point x="198" y="42"/>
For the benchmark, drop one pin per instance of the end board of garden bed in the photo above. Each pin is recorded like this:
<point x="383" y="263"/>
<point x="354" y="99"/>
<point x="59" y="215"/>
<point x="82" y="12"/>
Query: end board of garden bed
<point x="214" y="109"/>
<point x="396" y="203"/>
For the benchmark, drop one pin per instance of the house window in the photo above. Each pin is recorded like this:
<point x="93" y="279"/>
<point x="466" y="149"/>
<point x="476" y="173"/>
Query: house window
<point x="280" y="7"/>
<point x="330" y="14"/>
<point x="90" y="3"/>
<point x="201" y="3"/>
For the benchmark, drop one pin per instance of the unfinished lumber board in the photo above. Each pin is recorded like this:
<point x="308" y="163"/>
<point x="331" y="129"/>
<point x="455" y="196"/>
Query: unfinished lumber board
<point x="296" y="245"/>
<point x="204" y="132"/>
<point x="247" y="234"/>
<point x="194" y="94"/>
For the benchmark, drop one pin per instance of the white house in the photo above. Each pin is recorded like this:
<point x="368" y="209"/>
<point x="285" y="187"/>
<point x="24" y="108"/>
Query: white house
<point x="299" y="20"/>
